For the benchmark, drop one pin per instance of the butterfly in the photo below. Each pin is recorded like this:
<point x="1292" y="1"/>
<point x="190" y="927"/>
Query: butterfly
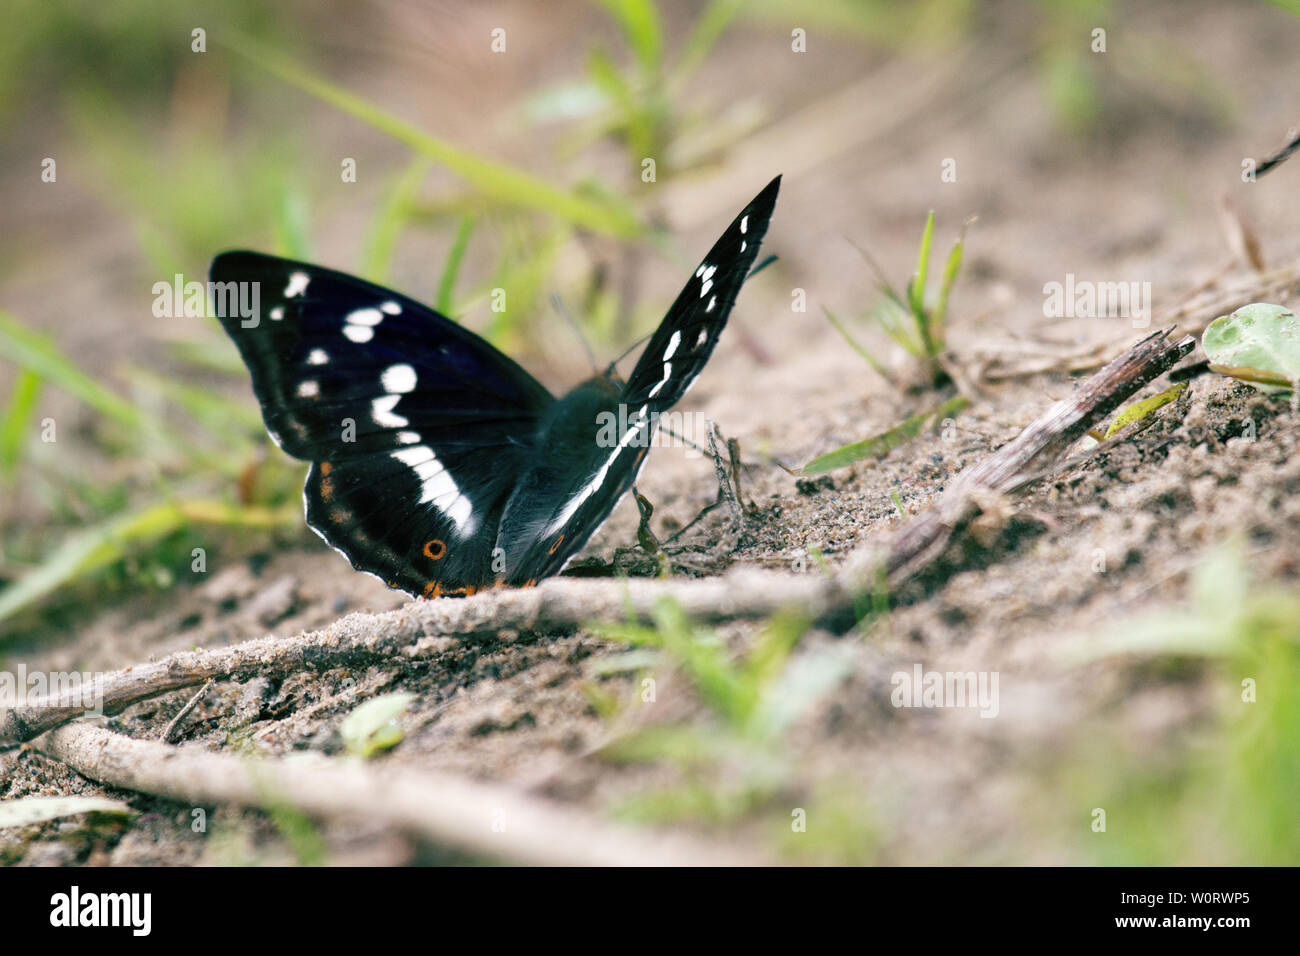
<point x="438" y="464"/>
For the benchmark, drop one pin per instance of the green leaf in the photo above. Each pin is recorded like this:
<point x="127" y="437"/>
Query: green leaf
<point x="1140" y="410"/>
<point x="373" y="726"/>
<point x="38" y="354"/>
<point x="497" y="181"/>
<point x="28" y="810"/>
<point x="1253" y="375"/>
<point x="885" y="442"/>
<point x="1259" y="337"/>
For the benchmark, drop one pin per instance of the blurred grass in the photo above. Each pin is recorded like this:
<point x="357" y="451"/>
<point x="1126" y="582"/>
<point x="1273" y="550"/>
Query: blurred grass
<point x="1227" y="795"/>
<point x="734" y="761"/>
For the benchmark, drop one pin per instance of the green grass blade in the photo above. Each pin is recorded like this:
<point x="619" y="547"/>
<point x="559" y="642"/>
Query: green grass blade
<point x="392" y="218"/>
<point x="631" y="114"/>
<point x="885" y="442"/>
<point x="215" y="355"/>
<point x="38" y="354"/>
<point x="705" y="662"/>
<point x="856" y="346"/>
<point x="230" y="422"/>
<point x="916" y="288"/>
<point x="898" y="323"/>
<point x="495" y="180"/>
<point x="709" y="27"/>
<point x="14" y="426"/>
<point x="939" y="317"/>
<point x="1140" y="410"/>
<point x="638" y="21"/>
<point x="291" y="228"/>
<point x="95" y="549"/>
<point x="451" y="268"/>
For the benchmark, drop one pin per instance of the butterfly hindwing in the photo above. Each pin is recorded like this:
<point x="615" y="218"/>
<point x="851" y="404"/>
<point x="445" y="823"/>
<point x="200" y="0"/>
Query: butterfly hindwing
<point x="418" y="429"/>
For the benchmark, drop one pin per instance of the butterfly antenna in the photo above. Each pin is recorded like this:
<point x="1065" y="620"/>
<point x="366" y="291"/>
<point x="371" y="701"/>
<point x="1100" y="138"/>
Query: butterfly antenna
<point x="558" y="305"/>
<point x="632" y="348"/>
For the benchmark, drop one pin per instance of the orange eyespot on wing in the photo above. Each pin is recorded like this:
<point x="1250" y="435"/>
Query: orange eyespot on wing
<point x="558" y="541"/>
<point x="434" y="549"/>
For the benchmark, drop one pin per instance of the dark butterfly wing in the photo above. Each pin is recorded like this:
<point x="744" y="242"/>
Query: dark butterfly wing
<point x="676" y="353"/>
<point x="418" y="429"/>
<point x="560" y="504"/>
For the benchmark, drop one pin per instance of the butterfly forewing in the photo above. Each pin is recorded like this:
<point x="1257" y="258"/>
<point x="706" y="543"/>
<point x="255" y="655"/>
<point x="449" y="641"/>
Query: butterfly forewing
<point x="543" y="528"/>
<point x="418" y="428"/>
<point x="676" y="353"/>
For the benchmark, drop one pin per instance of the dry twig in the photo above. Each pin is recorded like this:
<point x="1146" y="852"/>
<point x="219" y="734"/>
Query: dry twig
<point x="482" y="819"/>
<point x="422" y="628"/>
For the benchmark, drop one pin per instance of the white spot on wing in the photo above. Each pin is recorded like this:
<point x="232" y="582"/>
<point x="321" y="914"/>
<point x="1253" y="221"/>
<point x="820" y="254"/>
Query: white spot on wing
<point x="297" y="284"/>
<point x="590" y="488"/>
<point x="318" y="357"/>
<point x="438" y="487"/>
<point x="704" y="333"/>
<point x="744" y="223"/>
<point x="359" y="324"/>
<point x="309" y="389"/>
<point x="675" y="341"/>
<point x="408" y="438"/>
<point x="390" y="308"/>
<point x="398" y="379"/>
<point x="365" y="317"/>
<point x="381" y="412"/>
<point x="277" y="313"/>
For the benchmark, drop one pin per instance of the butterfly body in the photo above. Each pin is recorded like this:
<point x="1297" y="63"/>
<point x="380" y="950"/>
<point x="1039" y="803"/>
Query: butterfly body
<point x="568" y="457"/>
<point x="438" y="464"/>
